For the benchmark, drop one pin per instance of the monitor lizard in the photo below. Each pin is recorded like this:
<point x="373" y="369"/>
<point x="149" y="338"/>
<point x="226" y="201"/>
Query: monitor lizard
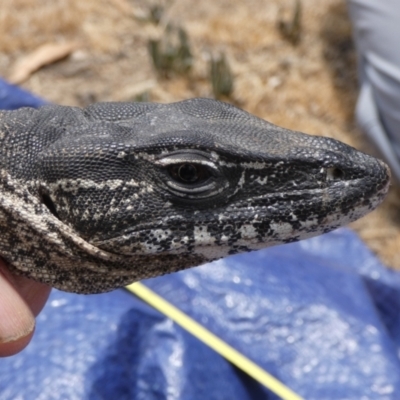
<point x="94" y="199"/>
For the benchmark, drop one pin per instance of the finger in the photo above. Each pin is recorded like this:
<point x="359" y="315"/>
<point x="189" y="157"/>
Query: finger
<point x="20" y="300"/>
<point x="34" y="293"/>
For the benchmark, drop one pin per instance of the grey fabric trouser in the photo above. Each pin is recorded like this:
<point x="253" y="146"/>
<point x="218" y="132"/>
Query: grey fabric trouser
<point x="376" y="28"/>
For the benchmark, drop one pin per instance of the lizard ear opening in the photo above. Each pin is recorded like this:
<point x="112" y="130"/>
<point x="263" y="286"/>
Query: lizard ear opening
<point x="49" y="204"/>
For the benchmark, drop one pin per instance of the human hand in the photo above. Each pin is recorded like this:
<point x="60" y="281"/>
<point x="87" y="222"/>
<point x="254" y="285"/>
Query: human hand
<point x="21" y="299"/>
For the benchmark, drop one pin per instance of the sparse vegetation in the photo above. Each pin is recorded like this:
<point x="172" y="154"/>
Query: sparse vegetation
<point x="171" y="52"/>
<point x="291" y="29"/>
<point x="221" y="76"/>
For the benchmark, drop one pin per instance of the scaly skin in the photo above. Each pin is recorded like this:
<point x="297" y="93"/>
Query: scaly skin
<point x="93" y="199"/>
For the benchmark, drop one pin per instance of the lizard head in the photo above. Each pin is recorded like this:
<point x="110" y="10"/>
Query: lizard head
<point x="201" y="177"/>
<point x="94" y="199"/>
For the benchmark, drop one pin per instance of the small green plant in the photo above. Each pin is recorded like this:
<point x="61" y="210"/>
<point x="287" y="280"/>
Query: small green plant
<point x="291" y="30"/>
<point x="171" y="53"/>
<point x="155" y="13"/>
<point x="143" y="97"/>
<point x="221" y="76"/>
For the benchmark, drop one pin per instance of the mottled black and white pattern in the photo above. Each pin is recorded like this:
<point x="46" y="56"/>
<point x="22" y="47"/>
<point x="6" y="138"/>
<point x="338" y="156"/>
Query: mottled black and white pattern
<point x="93" y="199"/>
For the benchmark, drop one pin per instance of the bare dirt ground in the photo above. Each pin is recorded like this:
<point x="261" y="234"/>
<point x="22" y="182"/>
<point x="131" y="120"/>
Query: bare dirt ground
<point x="310" y="87"/>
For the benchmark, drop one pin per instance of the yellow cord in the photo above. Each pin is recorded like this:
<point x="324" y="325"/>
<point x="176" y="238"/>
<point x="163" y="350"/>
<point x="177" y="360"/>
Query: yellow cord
<point x="213" y="341"/>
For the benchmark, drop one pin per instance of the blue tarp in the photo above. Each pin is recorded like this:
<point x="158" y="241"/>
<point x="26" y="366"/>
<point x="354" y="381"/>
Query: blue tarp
<point x="13" y="97"/>
<point x="321" y="315"/>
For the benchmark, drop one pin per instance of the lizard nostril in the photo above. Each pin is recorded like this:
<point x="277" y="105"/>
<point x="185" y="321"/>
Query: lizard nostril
<point x="334" y="174"/>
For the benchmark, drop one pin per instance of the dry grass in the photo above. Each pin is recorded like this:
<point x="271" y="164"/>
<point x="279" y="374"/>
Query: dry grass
<point x="311" y="87"/>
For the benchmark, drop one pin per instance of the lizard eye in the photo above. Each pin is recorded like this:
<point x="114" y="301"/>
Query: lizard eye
<point x="189" y="173"/>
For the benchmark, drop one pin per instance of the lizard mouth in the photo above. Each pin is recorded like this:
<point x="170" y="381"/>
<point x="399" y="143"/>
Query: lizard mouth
<point x="271" y="219"/>
<point x="355" y="190"/>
